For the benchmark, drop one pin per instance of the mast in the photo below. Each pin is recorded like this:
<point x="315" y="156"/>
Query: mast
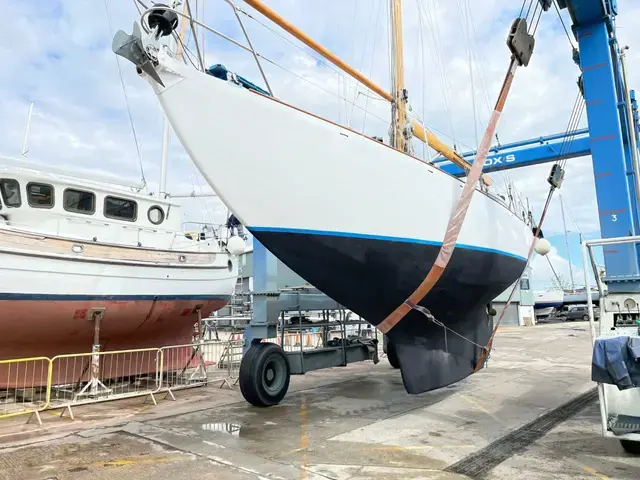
<point x="398" y="109"/>
<point x="419" y="132"/>
<point x="566" y="242"/>
<point x="26" y="131"/>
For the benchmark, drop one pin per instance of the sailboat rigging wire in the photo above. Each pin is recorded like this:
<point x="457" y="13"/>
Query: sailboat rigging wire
<point x="479" y="58"/>
<point x="430" y="15"/>
<point x="193" y="29"/>
<point x="464" y="21"/>
<point x="553" y="270"/>
<point x="322" y="88"/>
<point x="188" y="52"/>
<point x="364" y="49"/>
<point x="317" y="58"/>
<point x="373" y="51"/>
<point x="126" y="98"/>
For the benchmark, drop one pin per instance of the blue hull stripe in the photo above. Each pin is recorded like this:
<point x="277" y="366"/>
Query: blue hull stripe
<point x="379" y="237"/>
<point x="118" y="298"/>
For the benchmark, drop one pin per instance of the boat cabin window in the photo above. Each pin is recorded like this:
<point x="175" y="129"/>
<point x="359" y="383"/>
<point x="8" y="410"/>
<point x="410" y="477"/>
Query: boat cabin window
<point x="40" y="195"/>
<point x="79" y="201"/>
<point x="120" y="209"/>
<point x="156" y="215"/>
<point x="10" y="190"/>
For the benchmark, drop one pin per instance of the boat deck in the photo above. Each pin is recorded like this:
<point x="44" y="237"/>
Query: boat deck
<point x="531" y="414"/>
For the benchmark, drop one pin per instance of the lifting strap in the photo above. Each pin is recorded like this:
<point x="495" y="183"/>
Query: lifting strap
<point x="457" y="220"/>
<point x="521" y="44"/>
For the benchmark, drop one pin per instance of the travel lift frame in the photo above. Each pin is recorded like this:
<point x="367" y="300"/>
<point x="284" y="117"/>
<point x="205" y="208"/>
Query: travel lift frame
<point x="612" y="141"/>
<point x="613" y="130"/>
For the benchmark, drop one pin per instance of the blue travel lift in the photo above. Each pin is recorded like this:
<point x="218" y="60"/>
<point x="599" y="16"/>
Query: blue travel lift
<point x="611" y="140"/>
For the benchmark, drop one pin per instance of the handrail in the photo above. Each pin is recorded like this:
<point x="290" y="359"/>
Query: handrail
<point x="418" y="130"/>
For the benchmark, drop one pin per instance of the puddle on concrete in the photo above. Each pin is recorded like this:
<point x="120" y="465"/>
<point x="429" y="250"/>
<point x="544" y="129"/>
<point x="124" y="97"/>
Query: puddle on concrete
<point x="224" y="427"/>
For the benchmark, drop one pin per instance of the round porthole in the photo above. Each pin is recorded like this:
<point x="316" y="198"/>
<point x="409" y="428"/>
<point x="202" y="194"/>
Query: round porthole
<point x="155" y="215"/>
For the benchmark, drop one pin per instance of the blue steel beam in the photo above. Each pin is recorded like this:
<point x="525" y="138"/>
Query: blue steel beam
<point x="528" y="152"/>
<point x="617" y="204"/>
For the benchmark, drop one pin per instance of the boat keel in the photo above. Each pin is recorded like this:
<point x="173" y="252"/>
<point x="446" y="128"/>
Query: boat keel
<point x="431" y="357"/>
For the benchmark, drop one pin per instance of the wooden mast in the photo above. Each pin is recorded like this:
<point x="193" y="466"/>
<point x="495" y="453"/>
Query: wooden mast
<point x="399" y="119"/>
<point x="419" y="132"/>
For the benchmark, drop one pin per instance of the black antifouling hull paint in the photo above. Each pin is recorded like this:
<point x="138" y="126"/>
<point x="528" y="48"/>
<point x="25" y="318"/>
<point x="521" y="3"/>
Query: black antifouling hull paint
<point x="372" y="277"/>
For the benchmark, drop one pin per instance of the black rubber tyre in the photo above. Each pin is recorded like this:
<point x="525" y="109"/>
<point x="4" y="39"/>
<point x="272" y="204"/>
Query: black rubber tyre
<point x="631" y="446"/>
<point x="392" y="355"/>
<point x="585" y="318"/>
<point x="264" y="375"/>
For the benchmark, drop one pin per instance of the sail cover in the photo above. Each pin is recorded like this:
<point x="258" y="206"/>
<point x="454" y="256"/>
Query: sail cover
<point x="220" y="71"/>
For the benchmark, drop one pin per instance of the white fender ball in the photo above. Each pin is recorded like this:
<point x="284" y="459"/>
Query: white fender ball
<point x="236" y="245"/>
<point x="542" y="246"/>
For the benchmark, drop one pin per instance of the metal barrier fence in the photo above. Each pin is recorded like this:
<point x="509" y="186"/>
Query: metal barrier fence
<point x="31" y="385"/>
<point x="198" y="364"/>
<point x="24" y="386"/>
<point x="83" y="378"/>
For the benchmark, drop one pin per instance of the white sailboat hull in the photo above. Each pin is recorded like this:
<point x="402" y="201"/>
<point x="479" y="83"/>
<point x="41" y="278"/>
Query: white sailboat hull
<point x="361" y="221"/>
<point x="301" y="172"/>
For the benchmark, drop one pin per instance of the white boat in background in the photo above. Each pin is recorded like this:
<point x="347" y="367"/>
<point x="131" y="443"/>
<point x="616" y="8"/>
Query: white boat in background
<point x="545" y="302"/>
<point x="371" y="242"/>
<point x="72" y="247"/>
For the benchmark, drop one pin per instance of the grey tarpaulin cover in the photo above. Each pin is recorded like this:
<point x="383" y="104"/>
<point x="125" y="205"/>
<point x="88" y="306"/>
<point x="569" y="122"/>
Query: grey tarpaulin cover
<point x="615" y="361"/>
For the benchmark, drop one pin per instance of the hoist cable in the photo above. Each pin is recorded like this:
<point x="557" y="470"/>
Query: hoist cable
<point x="533" y="16"/>
<point x="555" y="4"/>
<point x="535" y="29"/>
<point x="529" y="9"/>
<point x="486" y="351"/>
<point x="524" y="2"/>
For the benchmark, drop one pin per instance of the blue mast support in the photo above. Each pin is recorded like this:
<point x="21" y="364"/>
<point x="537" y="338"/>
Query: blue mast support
<point x="613" y="170"/>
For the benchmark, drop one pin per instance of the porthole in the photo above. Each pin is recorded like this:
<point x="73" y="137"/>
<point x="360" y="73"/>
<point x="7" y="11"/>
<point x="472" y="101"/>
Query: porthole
<point x="155" y="215"/>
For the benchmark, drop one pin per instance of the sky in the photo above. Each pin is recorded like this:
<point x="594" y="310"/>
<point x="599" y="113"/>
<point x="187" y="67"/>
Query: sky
<point x="57" y="53"/>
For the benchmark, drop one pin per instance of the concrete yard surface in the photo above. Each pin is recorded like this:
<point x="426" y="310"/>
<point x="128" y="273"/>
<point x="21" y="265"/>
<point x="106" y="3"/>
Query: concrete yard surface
<point x="531" y="414"/>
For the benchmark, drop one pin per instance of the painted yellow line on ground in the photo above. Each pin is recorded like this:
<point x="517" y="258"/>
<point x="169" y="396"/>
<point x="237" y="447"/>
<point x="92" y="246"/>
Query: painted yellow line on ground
<point x="594" y="472"/>
<point x="416" y="447"/>
<point x="587" y="468"/>
<point x="136" y="461"/>
<point x="481" y="408"/>
<point x="304" y="436"/>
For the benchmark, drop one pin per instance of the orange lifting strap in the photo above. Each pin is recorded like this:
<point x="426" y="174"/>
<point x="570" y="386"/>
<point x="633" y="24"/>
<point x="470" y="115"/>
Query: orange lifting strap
<point x="457" y="220"/>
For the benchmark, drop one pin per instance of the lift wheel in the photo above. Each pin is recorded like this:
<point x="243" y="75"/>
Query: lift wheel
<point x="264" y="374"/>
<point x="392" y="354"/>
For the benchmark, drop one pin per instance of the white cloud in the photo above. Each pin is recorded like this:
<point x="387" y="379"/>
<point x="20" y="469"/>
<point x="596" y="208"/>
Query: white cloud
<point x="58" y="54"/>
